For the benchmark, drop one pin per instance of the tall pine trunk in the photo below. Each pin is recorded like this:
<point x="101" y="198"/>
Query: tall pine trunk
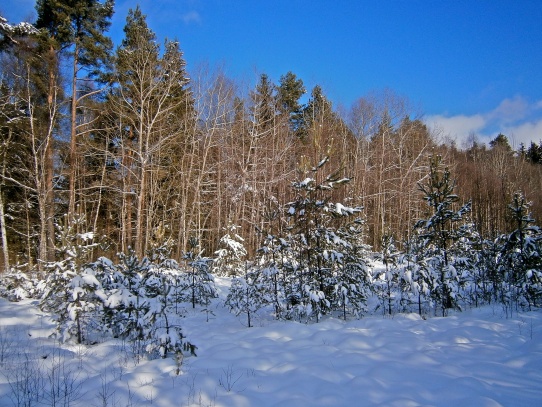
<point x="73" y="134"/>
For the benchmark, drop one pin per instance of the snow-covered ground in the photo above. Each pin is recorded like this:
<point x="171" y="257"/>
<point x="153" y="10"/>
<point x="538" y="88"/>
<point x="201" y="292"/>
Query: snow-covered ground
<point x="474" y="358"/>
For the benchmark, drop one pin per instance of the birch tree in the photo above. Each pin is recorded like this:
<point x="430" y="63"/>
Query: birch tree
<point x="151" y="92"/>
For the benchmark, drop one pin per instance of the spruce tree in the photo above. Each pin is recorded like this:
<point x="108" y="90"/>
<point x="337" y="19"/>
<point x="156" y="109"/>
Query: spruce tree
<point x="33" y="78"/>
<point x="71" y="290"/>
<point x="439" y="232"/>
<point x="289" y="92"/>
<point x="230" y="257"/>
<point x="153" y="106"/>
<point x="520" y="259"/>
<point x="197" y="282"/>
<point x="271" y="263"/>
<point x="416" y="280"/>
<point x="354" y="279"/>
<point x="389" y="277"/>
<point x="317" y="114"/>
<point x="247" y="294"/>
<point x="317" y="243"/>
<point x="534" y="153"/>
<point x="263" y="99"/>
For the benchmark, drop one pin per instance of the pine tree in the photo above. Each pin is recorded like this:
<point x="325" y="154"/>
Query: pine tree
<point x="10" y="34"/>
<point x="198" y="283"/>
<point x="316" y="243"/>
<point x="389" y="277"/>
<point x="230" y="257"/>
<point x="153" y="106"/>
<point x="289" y="92"/>
<point x="521" y="256"/>
<point x="440" y="233"/>
<point x="78" y="26"/>
<point x="71" y="290"/>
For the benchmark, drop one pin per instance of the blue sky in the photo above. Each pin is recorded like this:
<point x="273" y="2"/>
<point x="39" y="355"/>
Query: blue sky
<point x="469" y="66"/>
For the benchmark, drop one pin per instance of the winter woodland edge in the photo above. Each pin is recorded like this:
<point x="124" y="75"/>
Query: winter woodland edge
<point x="317" y="266"/>
<point x="314" y="259"/>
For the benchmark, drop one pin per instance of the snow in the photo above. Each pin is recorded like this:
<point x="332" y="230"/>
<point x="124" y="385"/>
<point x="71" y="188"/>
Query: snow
<point x="87" y="236"/>
<point x="120" y="297"/>
<point x="474" y="358"/>
<point x="344" y="210"/>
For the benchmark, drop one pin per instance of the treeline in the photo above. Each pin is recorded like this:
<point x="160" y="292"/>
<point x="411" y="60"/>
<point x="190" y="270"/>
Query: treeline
<point x="125" y="139"/>
<point x="317" y="265"/>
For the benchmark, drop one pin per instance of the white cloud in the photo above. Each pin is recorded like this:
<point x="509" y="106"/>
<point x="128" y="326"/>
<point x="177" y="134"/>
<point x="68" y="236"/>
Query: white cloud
<point x="524" y="133"/>
<point x="510" y="110"/>
<point x="515" y="117"/>
<point x="191" y="17"/>
<point x="456" y="127"/>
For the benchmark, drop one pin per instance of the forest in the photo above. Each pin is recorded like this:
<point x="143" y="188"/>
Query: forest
<point x="151" y="212"/>
<point x="109" y="152"/>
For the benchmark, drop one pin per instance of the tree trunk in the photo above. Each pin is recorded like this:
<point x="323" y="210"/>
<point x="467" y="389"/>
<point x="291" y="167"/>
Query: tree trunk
<point x="5" y="249"/>
<point x="73" y="135"/>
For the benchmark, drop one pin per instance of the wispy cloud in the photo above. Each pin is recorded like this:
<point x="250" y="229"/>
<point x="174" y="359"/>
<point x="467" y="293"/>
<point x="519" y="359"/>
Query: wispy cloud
<point x="525" y="133"/>
<point x="457" y="127"/>
<point x="510" y="110"/>
<point x="191" y="17"/>
<point x="517" y="118"/>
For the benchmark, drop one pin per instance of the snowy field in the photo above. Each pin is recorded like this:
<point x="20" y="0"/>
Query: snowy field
<point x="476" y="358"/>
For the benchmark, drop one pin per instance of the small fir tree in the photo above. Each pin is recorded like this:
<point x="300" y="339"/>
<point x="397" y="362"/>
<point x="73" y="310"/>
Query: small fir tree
<point x="317" y="243"/>
<point x="197" y="283"/>
<point x="230" y="256"/>
<point x="127" y="303"/>
<point x="247" y="294"/>
<point x="271" y="266"/>
<point x="354" y="280"/>
<point x="520" y="260"/>
<point x="439" y="233"/>
<point x="415" y="279"/>
<point x="389" y="277"/>
<point x="71" y="291"/>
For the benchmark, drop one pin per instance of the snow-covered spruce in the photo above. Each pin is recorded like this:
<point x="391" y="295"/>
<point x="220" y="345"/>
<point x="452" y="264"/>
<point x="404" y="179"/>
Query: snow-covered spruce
<point x="195" y="283"/>
<point x="230" y="256"/>
<point x="247" y="294"/>
<point x="133" y="300"/>
<point x="71" y="290"/>
<point x="520" y="258"/>
<point x="388" y="277"/>
<point x="317" y="265"/>
<point x="439" y="233"/>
